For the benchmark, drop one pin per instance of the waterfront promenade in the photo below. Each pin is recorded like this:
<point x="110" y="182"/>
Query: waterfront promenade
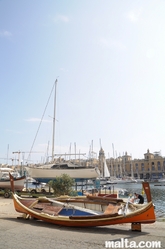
<point x="18" y="233"/>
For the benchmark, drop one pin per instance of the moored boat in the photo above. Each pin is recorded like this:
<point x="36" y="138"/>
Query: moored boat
<point x="48" y="172"/>
<point x="5" y="179"/>
<point x="18" y="183"/>
<point x="4" y="173"/>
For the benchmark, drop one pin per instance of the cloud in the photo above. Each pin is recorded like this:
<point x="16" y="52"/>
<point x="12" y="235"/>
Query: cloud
<point x="134" y="15"/>
<point x="61" y="18"/>
<point x="110" y="43"/>
<point x="37" y="120"/>
<point x="5" y="33"/>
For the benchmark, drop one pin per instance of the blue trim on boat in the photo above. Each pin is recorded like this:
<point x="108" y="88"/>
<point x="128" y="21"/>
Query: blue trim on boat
<point x="71" y="211"/>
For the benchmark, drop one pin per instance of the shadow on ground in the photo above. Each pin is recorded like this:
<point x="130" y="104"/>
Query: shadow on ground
<point x="122" y="230"/>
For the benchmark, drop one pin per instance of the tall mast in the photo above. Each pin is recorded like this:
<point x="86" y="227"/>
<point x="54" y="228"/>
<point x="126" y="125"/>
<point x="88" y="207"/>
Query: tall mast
<point x="54" y="120"/>
<point x="132" y="174"/>
<point x="114" y="169"/>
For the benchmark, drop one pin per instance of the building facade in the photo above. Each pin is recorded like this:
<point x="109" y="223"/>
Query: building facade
<point x="151" y="167"/>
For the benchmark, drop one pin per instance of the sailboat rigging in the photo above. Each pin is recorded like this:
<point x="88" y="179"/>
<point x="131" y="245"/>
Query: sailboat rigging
<point x="49" y="171"/>
<point x="41" y="123"/>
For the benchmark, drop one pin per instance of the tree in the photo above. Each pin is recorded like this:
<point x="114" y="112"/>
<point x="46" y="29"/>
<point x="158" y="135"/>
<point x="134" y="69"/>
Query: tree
<point x="63" y="185"/>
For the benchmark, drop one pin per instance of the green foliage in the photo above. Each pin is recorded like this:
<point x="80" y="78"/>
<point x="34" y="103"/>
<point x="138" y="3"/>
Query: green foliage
<point x="63" y="185"/>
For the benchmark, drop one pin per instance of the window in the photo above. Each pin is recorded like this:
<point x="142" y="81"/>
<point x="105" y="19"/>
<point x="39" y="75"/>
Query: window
<point x="159" y="166"/>
<point x="142" y="166"/>
<point x="136" y="167"/>
<point x="153" y="166"/>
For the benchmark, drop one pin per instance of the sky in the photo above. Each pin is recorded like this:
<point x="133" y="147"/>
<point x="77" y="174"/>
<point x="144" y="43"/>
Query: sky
<point x="109" y="59"/>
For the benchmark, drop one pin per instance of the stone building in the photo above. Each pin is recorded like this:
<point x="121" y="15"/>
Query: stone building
<point x="151" y="167"/>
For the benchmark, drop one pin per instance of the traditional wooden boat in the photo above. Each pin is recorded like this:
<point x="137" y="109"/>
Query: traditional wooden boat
<point x="66" y="214"/>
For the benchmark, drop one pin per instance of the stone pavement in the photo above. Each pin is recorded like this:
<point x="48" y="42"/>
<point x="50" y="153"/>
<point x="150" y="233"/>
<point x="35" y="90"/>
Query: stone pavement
<point x="17" y="233"/>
